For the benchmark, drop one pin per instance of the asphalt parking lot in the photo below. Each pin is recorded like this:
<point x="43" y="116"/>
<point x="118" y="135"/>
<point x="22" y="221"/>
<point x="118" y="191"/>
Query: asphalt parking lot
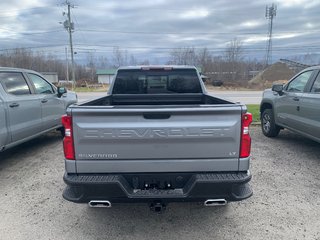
<point x="285" y="205"/>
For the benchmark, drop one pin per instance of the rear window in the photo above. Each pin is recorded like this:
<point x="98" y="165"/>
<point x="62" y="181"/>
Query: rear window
<point x="156" y="81"/>
<point x="14" y="83"/>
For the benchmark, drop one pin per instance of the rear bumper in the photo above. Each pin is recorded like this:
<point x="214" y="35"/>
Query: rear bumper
<point x="119" y="188"/>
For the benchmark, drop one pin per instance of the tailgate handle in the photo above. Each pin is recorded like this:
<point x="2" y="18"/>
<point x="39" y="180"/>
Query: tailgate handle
<point x="156" y="115"/>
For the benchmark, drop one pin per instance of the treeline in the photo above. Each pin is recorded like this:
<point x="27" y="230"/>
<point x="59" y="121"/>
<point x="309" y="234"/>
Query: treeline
<point x="40" y="62"/>
<point x="228" y="67"/>
<point x="43" y="62"/>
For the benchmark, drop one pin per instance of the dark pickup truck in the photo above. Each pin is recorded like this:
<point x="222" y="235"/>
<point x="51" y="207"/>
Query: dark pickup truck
<point x="157" y="137"/>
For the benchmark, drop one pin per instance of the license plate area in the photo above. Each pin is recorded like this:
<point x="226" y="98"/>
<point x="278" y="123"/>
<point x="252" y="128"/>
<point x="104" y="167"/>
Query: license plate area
<point x="164" y="181"/>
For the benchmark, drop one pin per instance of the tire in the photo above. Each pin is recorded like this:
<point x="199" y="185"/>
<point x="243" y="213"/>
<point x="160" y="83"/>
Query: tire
<point x="268" y="126"/>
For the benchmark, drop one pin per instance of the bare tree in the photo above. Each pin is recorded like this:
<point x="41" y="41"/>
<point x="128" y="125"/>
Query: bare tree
<point x="91" y="66"/>
<point x="144" y="62"/>
<point x="103" y="62"/>
<point x="204" y="60"/>
<point x="183" y="56"/>
<point x="133" y="61"/>
<point x="120" y="57"/>
<point x="234" y="57"/>
<point x="39" y="61"/>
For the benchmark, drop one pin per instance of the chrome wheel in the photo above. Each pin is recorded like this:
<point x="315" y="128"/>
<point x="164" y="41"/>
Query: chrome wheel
<point x="266" y="123"/>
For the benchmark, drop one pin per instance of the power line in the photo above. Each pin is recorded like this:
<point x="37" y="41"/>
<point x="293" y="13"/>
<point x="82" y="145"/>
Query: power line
<point x="91" y="47"/>
<point x="38" y="33"/>
<point x="202" y="33"/>
<point x="21" y="9"/>
<point x="33" y="47"/>
<point x="197" y="47"/>
<point x="161" y="33"/>
<point x="76" y="20"/>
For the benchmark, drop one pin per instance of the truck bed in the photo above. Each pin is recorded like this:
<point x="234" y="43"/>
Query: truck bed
<point x="155" y="99"/>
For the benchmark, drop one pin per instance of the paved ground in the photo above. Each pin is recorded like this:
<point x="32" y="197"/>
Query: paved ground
<point x="285" y="205"/>
<point x="246" y="97"/>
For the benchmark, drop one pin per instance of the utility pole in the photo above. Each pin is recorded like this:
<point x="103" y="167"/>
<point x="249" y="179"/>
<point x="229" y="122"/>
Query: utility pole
<point x="67" y="65"/>
<point x="69" y="26"/>
<point x="271" y="12"/>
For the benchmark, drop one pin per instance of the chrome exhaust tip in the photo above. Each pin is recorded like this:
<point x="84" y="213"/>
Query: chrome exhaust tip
<point x="215" y="202"/>
<point x="100" y="203"/>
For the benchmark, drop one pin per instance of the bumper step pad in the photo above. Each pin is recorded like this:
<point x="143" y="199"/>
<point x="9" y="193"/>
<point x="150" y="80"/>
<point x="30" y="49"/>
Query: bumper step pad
<point x="115" y="188"/>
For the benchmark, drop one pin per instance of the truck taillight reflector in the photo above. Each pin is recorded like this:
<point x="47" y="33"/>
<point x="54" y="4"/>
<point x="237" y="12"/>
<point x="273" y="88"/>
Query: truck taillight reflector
<point x="68" y="146"/>
<point x="245" y="144"/>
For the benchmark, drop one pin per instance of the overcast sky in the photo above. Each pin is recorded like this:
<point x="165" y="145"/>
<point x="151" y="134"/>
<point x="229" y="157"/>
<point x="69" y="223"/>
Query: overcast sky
<point x="150" y="29"/>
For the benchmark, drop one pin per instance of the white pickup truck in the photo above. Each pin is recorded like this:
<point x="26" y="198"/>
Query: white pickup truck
<point x="157" y="137"/>
<point x="29" y="106"/>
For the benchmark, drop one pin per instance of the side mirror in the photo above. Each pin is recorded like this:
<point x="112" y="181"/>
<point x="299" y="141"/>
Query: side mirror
<point x="61" y="91"/>
<point x="277" y="88"/>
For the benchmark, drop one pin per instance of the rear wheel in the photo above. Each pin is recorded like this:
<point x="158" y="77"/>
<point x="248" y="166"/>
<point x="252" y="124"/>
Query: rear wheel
<point x="268" y="126"/>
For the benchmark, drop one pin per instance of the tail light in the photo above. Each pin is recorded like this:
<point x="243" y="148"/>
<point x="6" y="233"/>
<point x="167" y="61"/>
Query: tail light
<point x="68" y="146"/>
<point x="245" y="144"/>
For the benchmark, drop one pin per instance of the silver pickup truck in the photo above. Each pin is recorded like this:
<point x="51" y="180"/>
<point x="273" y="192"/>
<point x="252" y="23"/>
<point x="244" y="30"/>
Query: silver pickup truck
<point x="29" y="106"/>
<point x="295" y="106"/>
<point x="157" y="137"/>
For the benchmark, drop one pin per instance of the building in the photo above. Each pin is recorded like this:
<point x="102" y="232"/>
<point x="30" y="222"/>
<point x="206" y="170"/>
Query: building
<point x="105" y="76"/>
<point x="50" y="76"/>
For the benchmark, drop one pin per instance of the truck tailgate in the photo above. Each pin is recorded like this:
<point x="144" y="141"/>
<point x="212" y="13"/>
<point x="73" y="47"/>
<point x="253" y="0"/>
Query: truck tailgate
<point x="199" y="138"/>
